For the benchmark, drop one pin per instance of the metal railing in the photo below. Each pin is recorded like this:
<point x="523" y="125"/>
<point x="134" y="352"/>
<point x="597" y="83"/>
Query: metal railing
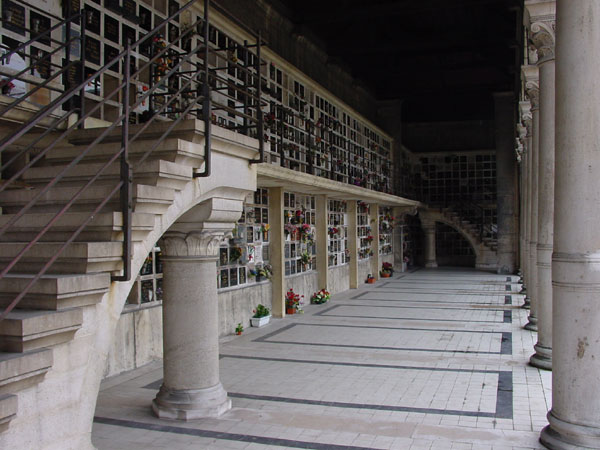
<point x="69" y="108"/>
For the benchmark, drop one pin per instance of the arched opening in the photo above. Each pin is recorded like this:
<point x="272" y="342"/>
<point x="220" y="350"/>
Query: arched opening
<point x="452" y="249"/>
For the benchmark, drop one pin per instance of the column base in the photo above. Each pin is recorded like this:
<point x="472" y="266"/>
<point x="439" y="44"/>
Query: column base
<point x="190" y="404"/>
<point x="431" y="265"/>
<point x="561" y="435"/>
<point x="532" y="324"/>
<point x="542" y="358"/>
<point x="526" y="303"/>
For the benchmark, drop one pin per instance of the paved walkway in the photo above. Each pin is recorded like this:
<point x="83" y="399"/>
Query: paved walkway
<point x="433" y="359"/>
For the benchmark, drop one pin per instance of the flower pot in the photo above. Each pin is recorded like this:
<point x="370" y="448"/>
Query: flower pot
<point x="371" y="280"/>
<point x="386" y="275"/>
<point x="260" y="321"/>
<point x="238" y="333"/>
<point x="290" y="310"/>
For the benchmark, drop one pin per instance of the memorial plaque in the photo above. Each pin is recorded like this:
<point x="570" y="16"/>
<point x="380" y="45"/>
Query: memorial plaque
<point x="145" y="19"/>
<point x="14" y="17"/>
<point x="128" y="35"/>
<point x="41" y="62"/>
<point x="113" y="5"/>
<point x="109" y="54"/>
<point x="173" y="8"/>
<point x="111" y="29"/>
<point x="92" y="20"/>
<point x="71" y="7"/>
<point x="92" y="50"/>
<point x="129" y="10"/>
<point x="39" y="24"/>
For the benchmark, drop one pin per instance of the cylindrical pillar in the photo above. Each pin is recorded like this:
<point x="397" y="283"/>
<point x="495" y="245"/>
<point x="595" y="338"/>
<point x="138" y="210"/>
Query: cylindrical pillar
<point x="575" y="414"/>
<point x="506" y="186"/>
<point x="191" y="386"/>
<point x="430" y="255"/>
<point x="543" y="37"/>
<point x="533" y="93"/>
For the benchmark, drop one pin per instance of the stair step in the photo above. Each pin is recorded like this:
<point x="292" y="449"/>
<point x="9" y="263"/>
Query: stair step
<point x="8" y="409"/>
<point x="25" y="330"/>
<point x="191" y="130"/>
<point x="55" y="292"/>
<point x="102" y="227"/>
<point x="146" y="199"/>
<point x="173" y="150"/>
<point x="153" y="173"/>
<point x="21" y="370"/>
<point x="77" y="258"/>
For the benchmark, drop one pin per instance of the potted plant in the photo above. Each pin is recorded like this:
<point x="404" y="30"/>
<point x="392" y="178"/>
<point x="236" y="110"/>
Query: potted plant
<point x="370" y="279"/>
<point x="386" y="270"/>
<point x="239" y="328"/>
<point x="261" y="317"/>
<point x="293" y="302"/>
<point x="320" y="297"/>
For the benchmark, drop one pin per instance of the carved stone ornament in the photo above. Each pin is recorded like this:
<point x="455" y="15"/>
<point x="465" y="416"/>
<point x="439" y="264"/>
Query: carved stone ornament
<point x="194" y="244"/>
<point x="543" y="36"/>
<point x="532" y="88"/>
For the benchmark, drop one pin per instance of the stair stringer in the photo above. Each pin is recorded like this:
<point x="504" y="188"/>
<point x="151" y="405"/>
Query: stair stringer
<point x="57" y="413"/>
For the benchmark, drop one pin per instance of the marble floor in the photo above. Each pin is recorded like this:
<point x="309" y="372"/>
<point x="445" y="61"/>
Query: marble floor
<point x="429" y="359"/>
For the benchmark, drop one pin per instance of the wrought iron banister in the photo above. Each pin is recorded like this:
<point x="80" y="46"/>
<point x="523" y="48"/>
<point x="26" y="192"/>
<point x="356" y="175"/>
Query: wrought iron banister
<point x="167" y="103"/>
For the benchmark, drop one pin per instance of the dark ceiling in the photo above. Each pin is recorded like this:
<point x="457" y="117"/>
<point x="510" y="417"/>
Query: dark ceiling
<point x="444" y="58"/>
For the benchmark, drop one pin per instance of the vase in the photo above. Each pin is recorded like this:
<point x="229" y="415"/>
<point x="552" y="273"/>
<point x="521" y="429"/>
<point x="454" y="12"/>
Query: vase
<point x="260" y="321"/>
<point x="290" y="310"/>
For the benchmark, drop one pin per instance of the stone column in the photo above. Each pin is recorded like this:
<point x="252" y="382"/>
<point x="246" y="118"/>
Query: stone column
<point x="276" y="251"/>
<point x="429" y="229"/>
<point x="542" y="35"/>
<point x="191" y="387"/>
<point x="506" y="184"/>
<point x="353" y="242"/>
<point x="321" y="238"/>
<point x="374" y="224"/>
<point x="575" y="415"/>
<point x="532" y="88"/>
<point x="525" y="110"/>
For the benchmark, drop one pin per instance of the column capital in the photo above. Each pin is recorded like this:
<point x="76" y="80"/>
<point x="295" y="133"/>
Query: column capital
<point x="196" y="244"/>
<point x="540" y="19"/>
<point x="526" y="117"/>
<point x="532" y="88"/>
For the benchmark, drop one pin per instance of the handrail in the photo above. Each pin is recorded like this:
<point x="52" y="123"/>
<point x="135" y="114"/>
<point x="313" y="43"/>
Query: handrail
<point x="172" y="104"/>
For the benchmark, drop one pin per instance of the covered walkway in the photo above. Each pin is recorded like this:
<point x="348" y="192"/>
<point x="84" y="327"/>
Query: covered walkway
<point x="431" y="359"/>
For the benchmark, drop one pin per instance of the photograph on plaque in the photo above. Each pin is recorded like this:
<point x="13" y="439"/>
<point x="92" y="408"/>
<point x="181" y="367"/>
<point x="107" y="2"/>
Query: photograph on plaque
<point x="38" y="24"/>
<point x="92" y="19"/>
<point x="14" y="17"/>
<point x="111" y="29"/>
<point x="92" y="50"/>
<point x="109" y="54"/>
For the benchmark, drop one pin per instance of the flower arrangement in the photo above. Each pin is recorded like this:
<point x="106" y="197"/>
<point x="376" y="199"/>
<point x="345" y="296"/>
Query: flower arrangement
<point x="369" y="238"/>
<point x="235" y="253"/>
<point x="265" y="271"/>
<point x="387" y="270"/>
<point x="333" y="231"/>
<point x="289" y="228"/>
<point x="320" y="297"/>
<point x="261" y="311"/>
<point x="305" y="258"/>
<point x="239" y="328"/>
<point x="305" y="233"/>
<point x="293" y="301"/>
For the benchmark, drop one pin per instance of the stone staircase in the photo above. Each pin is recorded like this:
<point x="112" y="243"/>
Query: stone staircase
<point x="464" y="224"/>
<point x="55" y="308"/>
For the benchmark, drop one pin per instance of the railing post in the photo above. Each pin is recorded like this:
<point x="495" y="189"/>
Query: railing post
<point x="126" y="172"/>
<point x="83" y="21"/>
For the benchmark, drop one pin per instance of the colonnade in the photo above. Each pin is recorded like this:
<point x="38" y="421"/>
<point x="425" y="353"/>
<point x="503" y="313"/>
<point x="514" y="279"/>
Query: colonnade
<point x="560" y="190"/>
